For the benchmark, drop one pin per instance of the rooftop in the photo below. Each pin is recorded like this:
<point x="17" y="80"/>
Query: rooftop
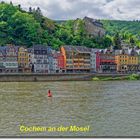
<point x="80" y="49"/>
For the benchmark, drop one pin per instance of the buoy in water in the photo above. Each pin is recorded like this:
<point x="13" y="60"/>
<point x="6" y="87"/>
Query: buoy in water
<point x="49" y="93"/>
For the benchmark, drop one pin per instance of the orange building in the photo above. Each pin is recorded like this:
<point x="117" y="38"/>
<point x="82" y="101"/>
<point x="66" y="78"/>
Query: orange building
<point x="63" y="52"/>
<point x="76" y="58"/>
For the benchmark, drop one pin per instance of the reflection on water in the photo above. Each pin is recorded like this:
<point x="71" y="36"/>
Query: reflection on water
<point x="110" y="108"/>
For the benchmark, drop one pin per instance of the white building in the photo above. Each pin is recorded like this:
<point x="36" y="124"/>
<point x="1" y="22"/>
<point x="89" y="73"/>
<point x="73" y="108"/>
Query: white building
<point x="93" y="60"/>
<point x="39" y="59"/>
<point x="11" y="59"/>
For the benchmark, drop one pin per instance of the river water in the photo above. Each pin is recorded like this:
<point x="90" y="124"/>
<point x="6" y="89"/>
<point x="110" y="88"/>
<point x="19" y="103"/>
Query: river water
<point x="109" y="108"/>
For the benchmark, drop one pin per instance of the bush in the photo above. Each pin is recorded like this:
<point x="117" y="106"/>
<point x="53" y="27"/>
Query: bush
<point x="95" y="79"/>
<point x="134" y="77"/>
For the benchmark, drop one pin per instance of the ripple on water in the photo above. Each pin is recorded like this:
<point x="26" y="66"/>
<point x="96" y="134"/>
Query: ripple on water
<point x="110" y="108"/>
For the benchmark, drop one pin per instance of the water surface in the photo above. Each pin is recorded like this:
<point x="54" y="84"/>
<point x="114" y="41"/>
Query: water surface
<point x="110" y="108"/>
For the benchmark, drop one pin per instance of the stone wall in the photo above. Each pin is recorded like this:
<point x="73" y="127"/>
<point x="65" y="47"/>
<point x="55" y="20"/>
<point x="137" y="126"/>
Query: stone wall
<point x="42" y="77"/>
<point x="52" y="77"/>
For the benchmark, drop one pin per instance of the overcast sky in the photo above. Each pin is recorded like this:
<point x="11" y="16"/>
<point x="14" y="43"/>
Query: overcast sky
<point x="72" y="9"/>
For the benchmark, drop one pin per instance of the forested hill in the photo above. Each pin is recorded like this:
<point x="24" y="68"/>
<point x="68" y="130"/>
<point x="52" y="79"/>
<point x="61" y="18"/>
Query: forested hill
<point x="129" y="31"/>
<point x="113" y="26"/>
<point x="21" y="27"/>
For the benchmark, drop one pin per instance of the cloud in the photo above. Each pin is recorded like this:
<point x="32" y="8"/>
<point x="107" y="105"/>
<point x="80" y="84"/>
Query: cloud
<point x="123" y="9"/>
<point x="72" y="9"/>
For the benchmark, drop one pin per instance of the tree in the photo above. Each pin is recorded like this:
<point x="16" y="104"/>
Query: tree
<point x="107" y="42"/>
<point x="25" y="30"/>
<point x="37" y="14"/>
<point x="132" y="41"/>
<point x="4" y="33"/>
<point x="11" y="3"/>
<point x="19" y="6"/>
<point x="30" y="9"/>
<point x="117" y="41"/>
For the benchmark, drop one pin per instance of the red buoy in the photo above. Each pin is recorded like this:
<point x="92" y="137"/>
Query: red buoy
<point x="49" y="93"/>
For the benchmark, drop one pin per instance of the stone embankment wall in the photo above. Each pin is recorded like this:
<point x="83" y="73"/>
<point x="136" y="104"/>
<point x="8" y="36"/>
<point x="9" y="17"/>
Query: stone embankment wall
<point x="50" y="77"/>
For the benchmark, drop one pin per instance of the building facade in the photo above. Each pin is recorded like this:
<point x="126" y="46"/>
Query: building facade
<point x="94" y="60"/>
<point x="77" y="58"/>
<point x="58" y="61"/>
<point x="138" y="52"/>
<point x="11" y="59"/>
<point x="107" y="62"/>
<point x="23" y="60"/>
<point x="122" y="60"/>
<point x="2" y="59"/>
<point x="39" y="59"/>
<point x="127" y="60"/>
<point x="61" y="62"/>
<point x="30" y="64"/>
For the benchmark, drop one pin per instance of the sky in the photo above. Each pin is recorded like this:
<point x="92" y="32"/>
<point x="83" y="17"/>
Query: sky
<point x="72" y="9"/>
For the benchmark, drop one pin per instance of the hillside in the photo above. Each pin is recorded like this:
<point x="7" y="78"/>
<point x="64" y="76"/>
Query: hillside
<point x="113" y="26"/>
<point x="128" y="30"/>
<point x="21" y="27"/>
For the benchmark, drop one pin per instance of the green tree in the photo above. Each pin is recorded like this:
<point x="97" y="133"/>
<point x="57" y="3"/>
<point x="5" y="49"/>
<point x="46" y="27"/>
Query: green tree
<point x="25" y="30"/>
<point x="117" y="41"/>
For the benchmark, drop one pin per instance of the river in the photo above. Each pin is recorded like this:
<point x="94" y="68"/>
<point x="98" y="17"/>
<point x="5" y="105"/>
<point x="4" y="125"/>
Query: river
<point x="109" y="108"/>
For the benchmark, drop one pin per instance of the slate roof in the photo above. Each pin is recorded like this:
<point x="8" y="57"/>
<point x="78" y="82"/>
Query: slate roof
<point x="29" y="50"/>
<point x="80" y="49"/>
<point x="3" y="50"/>
<point x="126" y="51"/>
<point x="42" y="49"/>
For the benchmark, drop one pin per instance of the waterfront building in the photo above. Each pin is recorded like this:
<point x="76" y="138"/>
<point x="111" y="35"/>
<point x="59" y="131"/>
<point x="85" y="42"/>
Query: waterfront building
<point x="55" y="68"/>
<point x="61" y="62"/>
<point x="76" y="58"/>
<point x="63" y="53"/>
<point x="51" y="61"/>
<point x="98" y="61"/>
<point x="58" y="64"/>
<point x="11" y="59"/>
<point x="107" y="61"/>
<point x="30" y="64"/>
<point x="2" y="58"/>
<point x="122" y="60"/>
<point x="39" y="59"/>
<point x="133" y="65"/>
<point x="133" y="57"/>
<point x="138" y="52"/>
<point x="94" y="60"/>
<point x="23" y="60"/>
<point x="127" y="60"/>
<point x="139" y="57"/>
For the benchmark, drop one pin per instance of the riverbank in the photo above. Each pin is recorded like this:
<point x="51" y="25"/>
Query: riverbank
<point x="128" y="77"/>
<point x="29" y="77"/>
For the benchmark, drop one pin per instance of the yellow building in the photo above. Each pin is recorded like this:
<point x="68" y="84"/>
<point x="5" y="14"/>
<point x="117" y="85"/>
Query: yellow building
<point x="133" y="60"/>
<point x="133" y="65"/>
<point x="122" y="61"/>
<point x="138" y="51"/>
<point x="23" y="60"/>
<point x="125" y="59"/>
